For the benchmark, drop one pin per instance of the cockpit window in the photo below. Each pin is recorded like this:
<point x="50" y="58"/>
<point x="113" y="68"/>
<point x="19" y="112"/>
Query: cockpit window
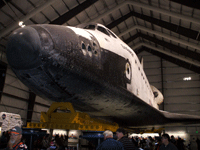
<point x="90" y="27"/>
<point x="112" y="34"/>
<point x="103" y="30"/>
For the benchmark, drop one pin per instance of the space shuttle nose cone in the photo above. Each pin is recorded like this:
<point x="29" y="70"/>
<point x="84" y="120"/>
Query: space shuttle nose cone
<point x="23" y="48"/>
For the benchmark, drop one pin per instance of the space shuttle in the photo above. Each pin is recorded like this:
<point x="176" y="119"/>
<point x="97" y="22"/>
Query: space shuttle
<point x="89" y="66"/>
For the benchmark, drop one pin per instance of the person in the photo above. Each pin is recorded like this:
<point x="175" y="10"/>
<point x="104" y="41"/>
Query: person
<point x="52" y="146"/>
<point x="180" y="144"/>
<point x="128" y="145"/>
<point x="167" y="145"/>
<point x="198" y="143"/>
<point x="59" y="144"/>
<point x="173" y="140"/>
<point x="15" y="139"/>
<point x="109" y="143"/>
<point x="45" y="142"/>
<point x="158" y="144"/>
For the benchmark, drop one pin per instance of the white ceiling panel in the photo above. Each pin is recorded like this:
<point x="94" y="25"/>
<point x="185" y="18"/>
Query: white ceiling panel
<point x="71" y="4"/>
<point x="129" y="22"/>
<point x="166" y="31"/>
<point x="156" y="15"/>
<point x="26" y="7"/>
<point x="144" y="1"/>
<point x="140" y="22"/>
<point x="116" y="15"/>
<point x="125" y="37"/>
<point x="155" y="3"/>
<point x="110" y="4"/>
<point x="164" y="18"/>
<point x="146" y="12"/>
<point x="73" y="22"/>
<point x="148" y="25"/>
<point x="187" y="10"/>
<point x="60" y="7"/>
<point x="164" y="5"/>
<point x="174" y="21"/>
<point x="97" y="6"/>
<point x="166" y="40"/>
<point x="124" y="10"/>
<point x="115" y="30"/>
<point x="136" y="9"/>
<point x="37" y="3"/>
<point x="122" y="27"/>
<point x="196" y="13"/>
<point x="136" y="41"/>
<point x="175" y="7"/>
<point x="92" y="13"/>
<point x="157" y="28"/>
<point x="16" y="14"/>
<point x="174" y="34"/>
<point x="39" y="18"/>
<point x="50" y="13"/>
<point x="133" y="32"/>
<point x="194" y="41"/>
<point x="28" y="22"/>
<point x="5" y="19"/>
<point x="82" y="17"/>
<point x="185" y="24"/>
<point x="183" y="37"/>
<point x="107" y="19"/>
<point x="195" y="27"/>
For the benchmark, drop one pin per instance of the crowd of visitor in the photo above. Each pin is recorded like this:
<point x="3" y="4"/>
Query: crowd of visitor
<point x="10" y="139"/>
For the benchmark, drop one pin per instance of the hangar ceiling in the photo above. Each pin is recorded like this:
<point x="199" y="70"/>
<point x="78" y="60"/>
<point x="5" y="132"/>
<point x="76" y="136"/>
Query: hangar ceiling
<point x="166" y="29"/>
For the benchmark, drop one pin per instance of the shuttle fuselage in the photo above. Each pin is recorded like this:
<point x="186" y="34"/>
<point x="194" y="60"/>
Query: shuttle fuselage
<point x="90" y="67"/>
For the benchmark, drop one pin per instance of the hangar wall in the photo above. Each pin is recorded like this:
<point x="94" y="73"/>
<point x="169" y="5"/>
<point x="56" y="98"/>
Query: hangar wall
<point x="179" y="96"/>
<point x="15" y="97"/>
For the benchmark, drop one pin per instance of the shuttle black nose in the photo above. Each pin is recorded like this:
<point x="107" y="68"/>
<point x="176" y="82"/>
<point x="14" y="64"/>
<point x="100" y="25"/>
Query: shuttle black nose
<point x="23" y="48"/>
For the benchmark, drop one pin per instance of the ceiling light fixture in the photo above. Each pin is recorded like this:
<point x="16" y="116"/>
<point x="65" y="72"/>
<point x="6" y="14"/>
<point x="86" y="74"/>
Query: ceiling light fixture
<point x="187" y="78"/>
<point x="21" y="24"/>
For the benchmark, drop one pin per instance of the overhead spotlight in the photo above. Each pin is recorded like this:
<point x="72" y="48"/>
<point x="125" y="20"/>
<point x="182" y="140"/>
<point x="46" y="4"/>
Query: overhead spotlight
<point x="21" y="24"/>
<point x="187" y="78"/>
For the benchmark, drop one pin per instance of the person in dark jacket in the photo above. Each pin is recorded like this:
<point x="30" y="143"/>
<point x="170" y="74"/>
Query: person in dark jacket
<point x="128" y="145"/>
<point x="109" y="143"/>
<point x="15" y="139"/>
<point x="167" y="145"/>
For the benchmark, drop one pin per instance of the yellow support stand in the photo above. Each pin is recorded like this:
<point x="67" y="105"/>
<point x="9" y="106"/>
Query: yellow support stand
<point x="70" y="120"/>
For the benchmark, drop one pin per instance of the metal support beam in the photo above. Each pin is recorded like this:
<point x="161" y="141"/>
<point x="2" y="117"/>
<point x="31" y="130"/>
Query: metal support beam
<point x="132" y="38"/>
<point x="31" y="103"/>
<point x="172" y="47"/>
<point x="27" y="17"/>
<point x="162" y="106"/>
<point x="171" y="59"/>
<point x="72" y="13"/>
<point x="184" y="42"/>
<point x="163" y="24"/>
<point x="3" y="68"/>
<point x="148" y="7"/>
<point x="2" y="4"/>
<point x="193" y="4"/>
<point x="138" y="51"/>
